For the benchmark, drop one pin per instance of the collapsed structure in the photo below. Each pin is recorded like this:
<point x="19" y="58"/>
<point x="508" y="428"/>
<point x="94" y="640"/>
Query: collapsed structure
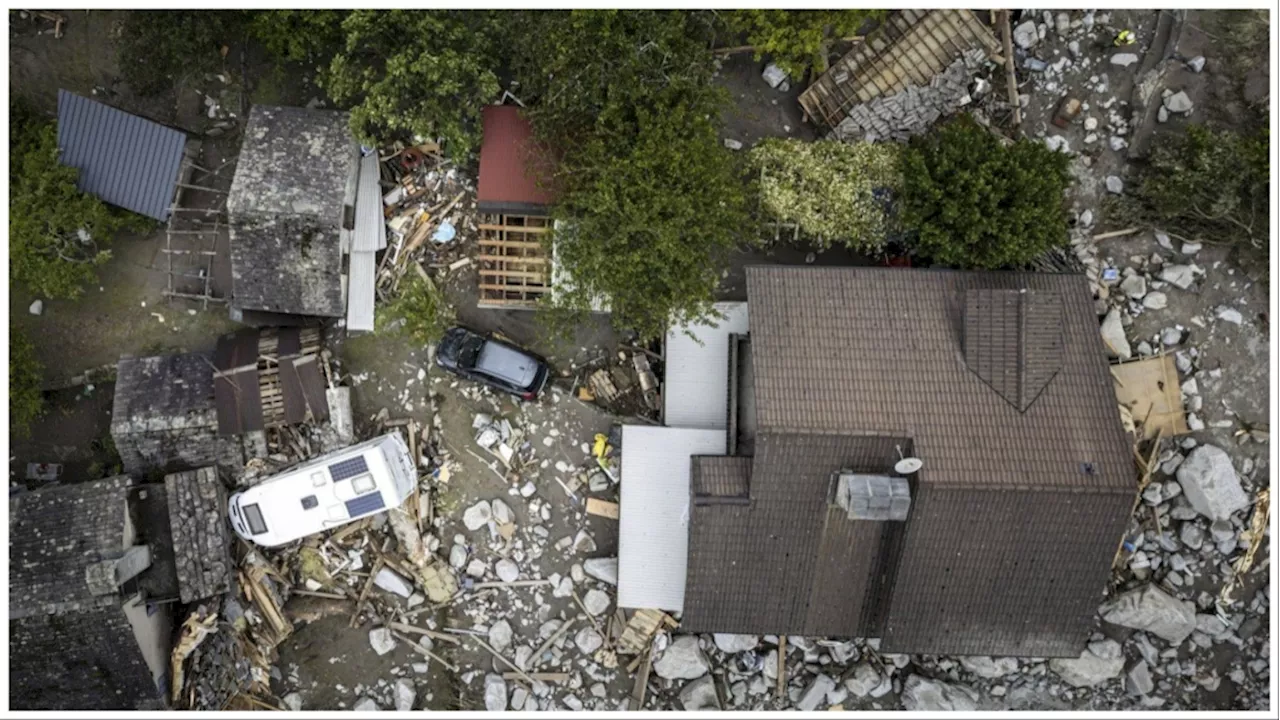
<point x="996" y="381"/>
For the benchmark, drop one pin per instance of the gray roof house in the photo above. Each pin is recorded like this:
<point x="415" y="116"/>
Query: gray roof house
<point x="999" y="544"/>
<point x="291" y="213"/>
<point x="81" y="634"/>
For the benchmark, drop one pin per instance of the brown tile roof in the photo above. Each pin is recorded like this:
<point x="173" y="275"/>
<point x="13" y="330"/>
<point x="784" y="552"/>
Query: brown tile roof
<point x="853" y="366"/>
<point x="879" y="350"/>
<point x="720" y="476"/>
<point x="1013" y="341"/>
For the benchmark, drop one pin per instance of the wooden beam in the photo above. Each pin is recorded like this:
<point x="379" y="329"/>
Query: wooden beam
<point x="485" y="242"/>
<point x="1011" y="74"/>
<point x="513" y="228"/>
<point x="550" y="677"/>
<point x="517" y="288"/>
<point x="531" y="259"/>
<point x="524" y="274"/>
<point x="602" y="508"/>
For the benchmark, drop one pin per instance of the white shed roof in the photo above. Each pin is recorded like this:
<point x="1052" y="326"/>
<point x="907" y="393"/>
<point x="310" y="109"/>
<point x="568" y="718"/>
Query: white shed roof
<point x="361" y="279"/>
<point x="370" y="230"/>
<point x="653" y="527"/>
<point x="696" y="388"/>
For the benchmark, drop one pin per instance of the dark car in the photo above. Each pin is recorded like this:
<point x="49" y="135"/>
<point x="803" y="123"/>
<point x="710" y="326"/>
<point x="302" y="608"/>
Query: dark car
<point x="492" y="362"/>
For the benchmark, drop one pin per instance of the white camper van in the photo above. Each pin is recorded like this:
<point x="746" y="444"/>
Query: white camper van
<point x="326" y="492"/>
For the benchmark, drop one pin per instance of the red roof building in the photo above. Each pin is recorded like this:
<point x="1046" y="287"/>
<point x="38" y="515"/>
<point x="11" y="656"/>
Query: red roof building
<point x="515" y="173"/>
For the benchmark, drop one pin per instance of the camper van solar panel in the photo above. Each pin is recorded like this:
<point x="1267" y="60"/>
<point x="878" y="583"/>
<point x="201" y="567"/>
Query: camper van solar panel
<point x="365" y="504"/>
<point x="348" y="468"/>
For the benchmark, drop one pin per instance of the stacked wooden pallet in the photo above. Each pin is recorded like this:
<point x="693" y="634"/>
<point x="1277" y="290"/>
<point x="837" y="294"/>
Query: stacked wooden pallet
<point x="909" y="49"/>
<point x="269" y="371"/>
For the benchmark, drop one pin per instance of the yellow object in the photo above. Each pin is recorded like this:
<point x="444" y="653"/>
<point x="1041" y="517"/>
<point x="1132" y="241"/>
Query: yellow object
<point x="601" y="447"/>
<point x="1124" y="37"/>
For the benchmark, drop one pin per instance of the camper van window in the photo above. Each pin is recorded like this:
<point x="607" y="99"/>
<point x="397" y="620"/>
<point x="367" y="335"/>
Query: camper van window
<point x="257" y="525"/>
<point x="363" y="484"/>
<point x="310" y="502"/>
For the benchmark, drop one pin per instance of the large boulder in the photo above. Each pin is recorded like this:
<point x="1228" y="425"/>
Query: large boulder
<point x="495" y="693"/>
<point x="989" y="667"/>
<point x="1113" y="335"/>
<point x="682" y="660"/>
<point x="700" y="694"/>
<point x="1100" y="662"/>
<point x="1151" y="609"/>
<point x="921" y="694"/>
<point x="1210" y="483"/>
<point x="602" y="569"/>
<point x="478" y="515"/>
<point x="733" y="644"/>
<point x="815" y="693"/>
<point x="864" y="679"/>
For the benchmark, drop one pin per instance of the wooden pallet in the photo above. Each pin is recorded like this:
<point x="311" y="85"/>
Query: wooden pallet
<point x="514" y="269"/>
<point x="911" y="48"/>
<point x="269" y="372"/>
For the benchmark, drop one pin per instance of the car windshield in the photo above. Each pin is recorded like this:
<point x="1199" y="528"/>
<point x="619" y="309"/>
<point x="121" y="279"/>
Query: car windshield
<point x="469" y="351"/>
<point x="257" y="525"/>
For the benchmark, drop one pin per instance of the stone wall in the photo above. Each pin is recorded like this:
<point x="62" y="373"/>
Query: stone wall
<point x="201" y="541"/>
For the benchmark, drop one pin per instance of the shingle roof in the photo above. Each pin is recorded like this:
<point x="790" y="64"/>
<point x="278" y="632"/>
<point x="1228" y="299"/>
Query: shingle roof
<point x="858" y="367"/>
<point x="514" y="170"/>
<point x="288" y="264"/>
<point x="720" y="477"/>
<point x="54" y="535"/>
<point x="123" y="159"/>
<point x="163" y="393"/>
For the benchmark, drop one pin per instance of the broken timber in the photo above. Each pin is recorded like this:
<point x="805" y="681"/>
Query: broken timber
<point x="910" y="48"/>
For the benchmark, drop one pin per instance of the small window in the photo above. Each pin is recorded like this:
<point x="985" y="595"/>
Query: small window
<point x="363" y="484"/>
<point x="257" y="525"/>
<point x="317" y="479"/>
<point x="310" y="502"/>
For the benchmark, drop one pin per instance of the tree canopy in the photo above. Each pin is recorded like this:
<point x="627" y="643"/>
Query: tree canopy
<point x="426" y="73"/>
<point x="797" y="39"/>
<point x="975" y="202"/>
<point x="26" y="401"/>
<point x="834" y="191"/>
<point x="57" y="234"/>
<point x="158" y="47"/>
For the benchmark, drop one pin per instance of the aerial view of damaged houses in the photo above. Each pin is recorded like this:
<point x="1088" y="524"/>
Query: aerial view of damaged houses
<point x="650" y="360"/>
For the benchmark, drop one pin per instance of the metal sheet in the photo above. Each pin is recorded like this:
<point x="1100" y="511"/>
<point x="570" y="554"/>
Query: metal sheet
<point x="696" y="388"/>
<point x="653" y="537"/>
<point x="235" y="385"/>
<point x="360" y="291"/>
<point x="123" y="159"/>
<point x="370" y="231"/>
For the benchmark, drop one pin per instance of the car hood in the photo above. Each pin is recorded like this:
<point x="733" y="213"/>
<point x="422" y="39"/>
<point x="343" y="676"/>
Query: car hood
<point x="501" y="361"/>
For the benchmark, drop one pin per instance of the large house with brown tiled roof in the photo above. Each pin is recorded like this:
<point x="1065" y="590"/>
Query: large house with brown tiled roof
<point x="1000" y="544"/>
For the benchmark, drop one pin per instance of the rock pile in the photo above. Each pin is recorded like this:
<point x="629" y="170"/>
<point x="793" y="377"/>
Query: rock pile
<point x="913" y="111"/>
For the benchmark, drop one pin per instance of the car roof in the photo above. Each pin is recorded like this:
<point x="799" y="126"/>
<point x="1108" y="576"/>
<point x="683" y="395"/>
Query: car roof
<point x="507" y="363"/>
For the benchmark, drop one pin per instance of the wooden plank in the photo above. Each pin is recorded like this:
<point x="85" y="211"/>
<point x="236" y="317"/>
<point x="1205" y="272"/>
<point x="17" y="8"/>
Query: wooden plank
<point x="534" y="229"/>
<point x="484" y="243"/>
<point x="530" y="259"/>
<point x="509" y="288"/>
<point x="1011" y="74"/>
<point x="602" y="508"/>
<point x="528" y="275"/>
<point x="548" y="677"/>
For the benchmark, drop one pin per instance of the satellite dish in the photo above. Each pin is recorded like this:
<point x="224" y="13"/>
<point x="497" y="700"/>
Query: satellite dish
<point x="908" y="466"/>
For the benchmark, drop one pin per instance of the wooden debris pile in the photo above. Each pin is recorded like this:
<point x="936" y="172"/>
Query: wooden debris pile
<point x="625" y="384"/>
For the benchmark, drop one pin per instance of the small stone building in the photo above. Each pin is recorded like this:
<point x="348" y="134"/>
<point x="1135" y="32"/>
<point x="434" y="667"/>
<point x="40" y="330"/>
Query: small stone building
<point x="164" y="418"/>
<point x="291" y="210"/>
<point x="201" y="544"/>
<point x="82" y="635"/>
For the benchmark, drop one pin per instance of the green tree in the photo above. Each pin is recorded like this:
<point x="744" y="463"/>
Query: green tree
<point x="975" y="202"/>
<point x="26" y="402"/>
<point x="797" y="39"/>
<point x="417" y="72"/>
<point x="419" y="312"/>
<point x="834" y="191"/>
<point x="159" y="47"/>
<point x="1215" y="184"/>
<point x="651" y="217"/>
<point x="299" y="35"/>
<point x="57" y="234"/>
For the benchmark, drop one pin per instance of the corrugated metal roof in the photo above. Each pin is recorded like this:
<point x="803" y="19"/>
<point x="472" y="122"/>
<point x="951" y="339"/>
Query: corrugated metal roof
<point x="513" y="169"/>
<point x="371" y="231"/>
<point x="653" y="540"/>
<point x="361" y="273"/>
<point x="696" y="387"/>
<point x="126" y="160"/>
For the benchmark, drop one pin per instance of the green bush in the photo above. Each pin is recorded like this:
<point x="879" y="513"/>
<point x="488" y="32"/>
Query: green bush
<point x="829" y="189"/>
<point x="420" y="312"/>
<point x="797" y="39"/>
<point x="417" y="72"/>
<point x="26" y="401"/>
<point x="57" y="234"/>
<point x="157" y="48"/>
<point x="1210" y="184"/>
<point x="975" y="202"/>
